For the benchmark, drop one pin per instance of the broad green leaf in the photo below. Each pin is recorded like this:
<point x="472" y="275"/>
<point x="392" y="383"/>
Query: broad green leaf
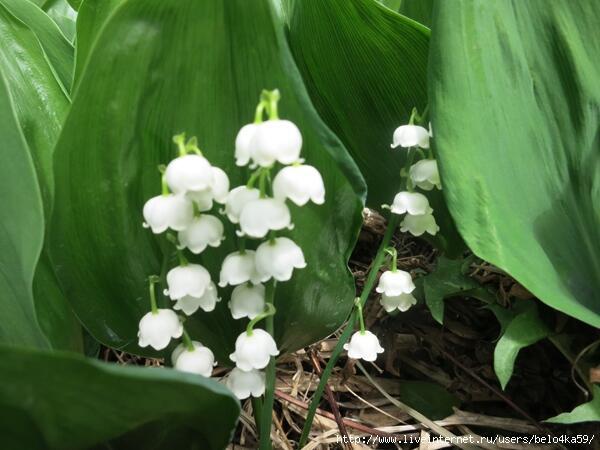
<point x="419" y="10"/>
<point x="63" y="15"/>
<point x="61" y="400"/>
<point x="365" y="68"/>
<point x="515" y="100"/>
<point x="587" y="412"/>
<point x="159" y="68"/>
<point x="91" y="17"/>
<point x="525" y="329"/>
<point x="57" y="50"/>
<point x="21" y="232"/>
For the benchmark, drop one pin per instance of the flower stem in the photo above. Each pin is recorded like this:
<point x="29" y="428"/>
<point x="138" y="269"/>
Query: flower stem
<point x="268" y="313"/>
<point x="370" y="282"/>
<point x="360" y="315"/>
<point x="267" y="406"/>
<point x="179" y="139"/>
<point x="258" y="115"/>
<point x="165" y="186"/>
<point x="152" y="280"/>
<point x="394" y="254"/>
<point x="187" y="341"/>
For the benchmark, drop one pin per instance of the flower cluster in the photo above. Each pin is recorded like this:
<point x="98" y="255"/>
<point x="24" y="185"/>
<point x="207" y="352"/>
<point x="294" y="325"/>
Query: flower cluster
<point x="259" y="210"/>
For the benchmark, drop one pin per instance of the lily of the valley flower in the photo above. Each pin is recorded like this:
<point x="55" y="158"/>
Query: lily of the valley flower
<point x="275" y="141"/>
<point x="363" y="345"/>
<point x="417" y="225"/>
<point x="238" y="268"/>
<point x="189" y="305"/>
<point x="395" y="282"/>
<point x="236" y="200"/>
<point x="254" y="350"/>
<point x="217" y="192"/>
<point x="278" y="258"/>
<point x="260" y="216"/>
<point x="189" y="173"/>
<point x="246" y="383"/>
<point x="411" y="203"/>
<point x="168" y="211"/>
<point x="157" y="328"/>
<point x="299" y="183"/>
<point x="204" y="230"/>
<point x="411" y="136"/>
<point x="401" y="302"/>
<point x="191" y="279"/>
<point x="247" y="300"/>
<point x="200" y="360"/>
<point x="425" y="174"/>
<point x="242" y="144"/>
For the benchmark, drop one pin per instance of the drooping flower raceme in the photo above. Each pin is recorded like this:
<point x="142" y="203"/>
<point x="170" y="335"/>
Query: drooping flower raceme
<point x="411" y="136"/>
<point x="363" y="345"/>
<point x="395" y="282"/>
<point x="300" y="184"/>
<point x="157" y="328"/>
<point x="198" y="359"/>
<point x="247" y="300"/>
<point x="254" y="350"/>
<point x="278" y="258"/>
<point x="246" y="383"/>
<point x="401" y="302"/>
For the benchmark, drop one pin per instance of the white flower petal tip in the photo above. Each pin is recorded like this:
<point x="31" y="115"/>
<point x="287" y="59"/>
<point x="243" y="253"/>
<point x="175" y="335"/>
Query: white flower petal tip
<point x="203" y="231"/>
<point x="220" y="185"/>
<point x="236" y="200"/>
<point x="299" y="183"/>
<point x="401" y="302"/>
<point x="254" y="351"/>
<point x="168" y="211"/>
<point x="410" y="136"/>
<point x="363" y="345"/>
<point x="189" y="173"/>
<point x="260" y="216"/>
<point x="419" y="225"/>
<point x="239" y="268"/>
<point x="157" y="329"/>
<point x="247" y="300"/>
<point x="425" y="174"/>
<point x="192" y="280"/>
<point x="278" y="258"/>
<point x="392" y="283"/>
<point x="246" y="383"/>
<point x="189" y="305"/>
<point x="200" y="361"/>
<point x="276" y="140"/>
<point x="411" y="202"/>
<point x="242" y="144"/>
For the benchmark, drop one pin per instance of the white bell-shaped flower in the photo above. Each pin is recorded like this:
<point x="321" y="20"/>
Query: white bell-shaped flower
<point x="157" y="329"/>
<point x="189" y="305"/>
<point x="410" y="202"/>
<point x="254" y="351"/>
<point x="220" y="185"/>
<point x="204" y="230"/>
<point x="200" y="361"/>
<point x="239" y="268"/>
<point x="247" y="300"/>
<point x="425" y="174"/>
<point x="236" y="200"/>
<point x="417" y="225"/>
<point x="242" y="144"/>
<point x="411" y="136"/>
<point x="203" y="199"/>
<point x="246" y="383"/>
<point x="299" y="183"/>
<point x="260" y="216"/>
<point x="363" y="345"/>
<point x="395" y="282"/>
<point x="276" y="140"/>
<point x="168" y="211"/>
<point x="192" y="280"/>
<point x="189" y="173"/>
<point x="278" y="258"/>
<point x="401" y="302"/>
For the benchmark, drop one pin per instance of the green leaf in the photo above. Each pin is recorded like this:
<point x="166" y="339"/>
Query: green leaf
<point x="57" y="50"/>
<point x="62" y="400"/>
<point x="159" y="68"/>
<point x="382" y="59"/>
<point x="586" y="412"/>
<point x="515" y="103"/>
<point x="419" y="10"/>
<point x="525" y="329"/>
<point x="21" y="231"/>
<point x="63" y="15"/>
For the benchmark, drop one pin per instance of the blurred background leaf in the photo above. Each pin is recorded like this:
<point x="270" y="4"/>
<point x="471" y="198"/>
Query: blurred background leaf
<point x="522" y="171"/>
<point x="63" y="15"/>
<point x="64" y="401"/>
<point x="135" y="93"/>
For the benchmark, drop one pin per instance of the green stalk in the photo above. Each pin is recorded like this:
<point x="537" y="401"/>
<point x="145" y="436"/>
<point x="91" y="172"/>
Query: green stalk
<point x="267" y="406"/>
<point x="370" y="282"/>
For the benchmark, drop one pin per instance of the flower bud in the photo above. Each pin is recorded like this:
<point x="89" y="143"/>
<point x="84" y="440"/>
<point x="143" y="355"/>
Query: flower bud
<point x="238" y="268"/>
<point x="401" y="302"/>
<point x="363" y="345"/>
<point x="278" y="258"/>
<point x="168" y="211"/>
<point x="189" y="305"/>
<point x="247" y="300"/>
<point x="189" y="173"/>
<point x="244" y="384"/>
<point x="417" y="225"/>
<point x="253" y="351"/>
<point x="157" y="328"/>
<point x="411" y="202"/>
<point x="260" y="216"/>
<point x="411" y="136"/>
<point x="425" y="174"/>
<point x="276" y="140"/>
<point x="300" y="184"/>
<point x="237" y="199"/>
<point x="203" y="230"/>
<point x="200" y="361"/>
<point x="394" y="283"/>
<point x="192" y="280"/>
